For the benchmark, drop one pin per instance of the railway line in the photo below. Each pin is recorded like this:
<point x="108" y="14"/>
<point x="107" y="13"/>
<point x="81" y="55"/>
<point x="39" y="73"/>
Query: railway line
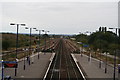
<point x="51" y="45"/>
<point x="63" y="66"/>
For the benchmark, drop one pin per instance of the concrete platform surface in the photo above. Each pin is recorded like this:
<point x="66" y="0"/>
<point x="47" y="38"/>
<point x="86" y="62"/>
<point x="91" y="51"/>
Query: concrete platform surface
<point x="35" y="70"/>
<point x="91" y="68"/>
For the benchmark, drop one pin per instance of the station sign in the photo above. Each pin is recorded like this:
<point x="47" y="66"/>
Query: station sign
<point x="85" y="45"/>
<point x="10" y="64"/>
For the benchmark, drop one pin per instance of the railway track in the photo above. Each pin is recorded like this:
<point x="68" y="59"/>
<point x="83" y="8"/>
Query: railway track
<point x="20" y="50"/>
<point x="63" y="66"/>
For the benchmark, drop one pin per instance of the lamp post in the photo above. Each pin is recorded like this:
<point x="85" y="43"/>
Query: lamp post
<point x="80" y="49"/>
<point x="100" y="49"/>
<point x="115" y="52"/>
<point x="17" y="42"/>
<point x="99" y="52"/>
<point x="49" y="43"/>
<point x="115" y="29"/>
<point x="81" y="44"/>
<point x="24" y="59"/>
<point x="39" y="40"/>
<point x="101" y="29"/>
<point x="82" y="41"/>
<point x="106" y="62"/>
<point x="30" y="43"/>
<point x="2" y="70"/>
<point x="26" y="50"/>
<point x="114" y="65"/>
<point x="45" y="38"/>
<point x="100" y="55"/>
<point x="89" y="58"/>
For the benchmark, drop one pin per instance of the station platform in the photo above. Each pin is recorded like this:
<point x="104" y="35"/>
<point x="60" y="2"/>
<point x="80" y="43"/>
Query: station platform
<point x="35" y="70"/>
<point x="91" y="68"/>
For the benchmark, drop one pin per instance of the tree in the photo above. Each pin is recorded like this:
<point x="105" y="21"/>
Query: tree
<point x="5" y="44"/>
<point x="82" y="38"/>
<point x="103" y="40"/>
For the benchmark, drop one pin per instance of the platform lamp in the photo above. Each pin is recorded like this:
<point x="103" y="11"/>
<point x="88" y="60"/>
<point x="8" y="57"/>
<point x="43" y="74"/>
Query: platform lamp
<point x="17" y="25"/>
<point x="115" y="53"/>
<point x="30" y="43"/>
<point x="39" y="40"/>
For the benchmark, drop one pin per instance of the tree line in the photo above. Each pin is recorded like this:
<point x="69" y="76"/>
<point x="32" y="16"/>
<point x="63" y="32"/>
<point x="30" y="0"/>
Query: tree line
<point x="105" y="41"/>
<point x="9" y="40"/>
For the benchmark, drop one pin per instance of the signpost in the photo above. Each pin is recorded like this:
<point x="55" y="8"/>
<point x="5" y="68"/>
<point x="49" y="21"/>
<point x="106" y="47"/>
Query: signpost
<point x="8" y="64"/>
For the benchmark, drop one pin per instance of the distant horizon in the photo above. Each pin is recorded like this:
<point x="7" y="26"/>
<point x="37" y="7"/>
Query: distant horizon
<point x="34" y="33"/>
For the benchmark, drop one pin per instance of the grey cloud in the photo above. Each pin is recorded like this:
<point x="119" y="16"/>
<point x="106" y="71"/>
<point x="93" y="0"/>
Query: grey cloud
<point x="61" y="17"/>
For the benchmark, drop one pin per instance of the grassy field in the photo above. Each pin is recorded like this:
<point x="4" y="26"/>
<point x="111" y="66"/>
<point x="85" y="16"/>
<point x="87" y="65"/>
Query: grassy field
<point x="9" y="44"/>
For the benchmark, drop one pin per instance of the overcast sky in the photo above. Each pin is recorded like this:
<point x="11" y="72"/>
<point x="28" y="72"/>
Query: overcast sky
<point x="60" y="17"/>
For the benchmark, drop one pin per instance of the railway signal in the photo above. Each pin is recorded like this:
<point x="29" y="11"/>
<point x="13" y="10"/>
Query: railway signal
<point x="103" y="29"/>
